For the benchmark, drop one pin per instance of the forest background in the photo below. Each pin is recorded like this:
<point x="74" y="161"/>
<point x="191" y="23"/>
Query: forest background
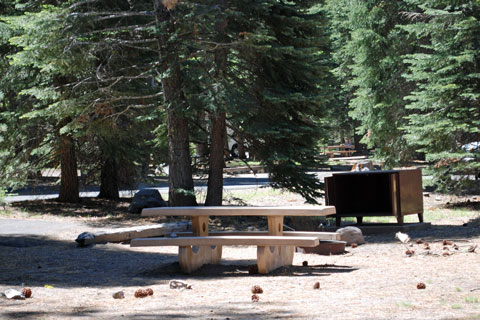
<point x="113" y="88"/>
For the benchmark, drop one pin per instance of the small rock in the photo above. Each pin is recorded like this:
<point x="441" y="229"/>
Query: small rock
<point x="316" y="285"/>
<point x="419" y="241"/>
<point x="146" y="198"/>
<point x="447" y="243"/>
<point x="119" y="295"/>
<point x="438" y="199"/>
<point x="426" y="194"/>
<point x="351" y="235"/>
<point x="421" y="285"/>
<point x="305" y="263"/>
<point x="446" y="254"/>
<point x="14" y="294"/>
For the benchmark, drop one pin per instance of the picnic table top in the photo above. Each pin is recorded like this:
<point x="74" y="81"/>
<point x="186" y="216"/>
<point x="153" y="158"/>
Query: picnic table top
<point x="239" y="211"/>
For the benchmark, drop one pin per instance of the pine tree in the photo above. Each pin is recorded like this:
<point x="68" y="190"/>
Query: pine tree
<point x="288" y="79"/>
<point x="369" y="48"/>
<point x="91" y="90"/>
<point x="446" y="104"/>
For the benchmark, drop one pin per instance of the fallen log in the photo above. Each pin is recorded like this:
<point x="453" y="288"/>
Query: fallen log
<point x="126" y="234"/>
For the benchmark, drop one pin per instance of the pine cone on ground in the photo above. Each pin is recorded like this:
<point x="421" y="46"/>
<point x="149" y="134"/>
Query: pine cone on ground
<point x="141" y="293"/>
<point x="27" y="292"/>
<point x="255" y="298"/>
<point x="257" y="289"/>
<point x="421" y="285"/>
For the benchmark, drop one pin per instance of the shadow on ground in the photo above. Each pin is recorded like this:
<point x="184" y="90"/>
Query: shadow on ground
<point x="87" y="207"/>
<point x="240" y="310"/>
<point x="38" y="261"/>
<point x="468" y="230"/>
<point x="240" y="268"/>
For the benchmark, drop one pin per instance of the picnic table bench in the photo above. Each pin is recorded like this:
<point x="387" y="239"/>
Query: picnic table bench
<point x="340" y="149"/>
<point x="275" y="248"/>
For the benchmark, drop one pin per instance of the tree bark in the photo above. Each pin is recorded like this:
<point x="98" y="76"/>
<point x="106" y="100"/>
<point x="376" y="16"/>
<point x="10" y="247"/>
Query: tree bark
<point x="69" y="190"/>
<point x="109" y="180"/>
<point x="216" y="161"/>
<point x="180" y="180"/>
<point x="218" y="132"/>
<point x="241" y="147"/>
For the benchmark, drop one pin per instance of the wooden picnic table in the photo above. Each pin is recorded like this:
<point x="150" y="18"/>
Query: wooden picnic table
<point x="340" y="149"/>
<point x="275" y="248"/>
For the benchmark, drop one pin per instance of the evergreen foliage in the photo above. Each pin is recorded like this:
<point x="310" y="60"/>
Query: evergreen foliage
<point x="291" y="90"/>
<point x="128" y="84"/>
<point x="446" y="104"/>
<point x="368" y="51"/>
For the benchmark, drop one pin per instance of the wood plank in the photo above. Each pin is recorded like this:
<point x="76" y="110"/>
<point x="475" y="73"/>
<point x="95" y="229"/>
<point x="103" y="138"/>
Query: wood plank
<point x="319" y="235"/>
<point x="126" y="234"/>
<point x="239" y="211"/>
<point x="227" y="241"/>
<point x="411" y="192"/>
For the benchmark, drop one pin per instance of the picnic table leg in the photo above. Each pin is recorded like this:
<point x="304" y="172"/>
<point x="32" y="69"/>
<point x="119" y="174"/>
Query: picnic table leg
<point x="270" y="258"/>
<point x="192" y="258"/>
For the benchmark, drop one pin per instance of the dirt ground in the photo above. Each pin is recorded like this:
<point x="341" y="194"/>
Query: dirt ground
<point x="372" y="281"/>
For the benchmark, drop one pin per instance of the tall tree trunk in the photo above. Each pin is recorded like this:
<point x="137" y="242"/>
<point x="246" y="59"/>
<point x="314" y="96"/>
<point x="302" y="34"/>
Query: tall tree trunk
<point x="180" y="180"/>
<point x="218" y="131"/>
<point x="109" y="180"/>
<point x="69" y="190"/>
<point x="241" y="146"/>
<point x="216" y="162"/>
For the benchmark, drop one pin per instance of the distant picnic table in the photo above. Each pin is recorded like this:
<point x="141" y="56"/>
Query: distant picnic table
<point x="341" y="149"/>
